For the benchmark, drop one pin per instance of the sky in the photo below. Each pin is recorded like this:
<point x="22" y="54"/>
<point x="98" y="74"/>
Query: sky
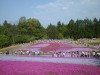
<point x="49" y="11"/>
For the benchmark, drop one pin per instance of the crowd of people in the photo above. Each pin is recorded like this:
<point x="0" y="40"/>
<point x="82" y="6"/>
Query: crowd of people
<point x="88" y="54"/>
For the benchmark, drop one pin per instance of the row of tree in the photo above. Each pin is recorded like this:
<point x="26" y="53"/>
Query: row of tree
<point x="86" y="28"/>
<point x="27" y="30"/>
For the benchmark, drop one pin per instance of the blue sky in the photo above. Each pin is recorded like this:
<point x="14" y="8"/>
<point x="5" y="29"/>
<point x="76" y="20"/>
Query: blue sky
<point x="49" y="11"/>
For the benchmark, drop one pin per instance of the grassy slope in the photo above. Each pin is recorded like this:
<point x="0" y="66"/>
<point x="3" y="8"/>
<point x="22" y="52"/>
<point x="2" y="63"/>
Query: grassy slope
<point x="13" y="47"/>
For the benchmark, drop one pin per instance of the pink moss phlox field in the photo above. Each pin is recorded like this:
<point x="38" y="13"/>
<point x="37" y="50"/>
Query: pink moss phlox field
<point x="97" y="47"/>
<point x="40" y="45"/>
<point x="36" y="46"/>
<point x="57" y="47"/>
<point x="65" y="47"/>
<point x="77" y="45"/>
<point x="51" y="47"/>
<point x="31" y="49"/>
<point x="45" y="68"/>
<point x="81" y="49"/>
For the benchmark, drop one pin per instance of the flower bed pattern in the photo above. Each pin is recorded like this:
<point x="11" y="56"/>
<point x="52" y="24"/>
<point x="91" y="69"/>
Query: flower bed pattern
<point x="57" y="47"/>
<point x="44" y="68"/>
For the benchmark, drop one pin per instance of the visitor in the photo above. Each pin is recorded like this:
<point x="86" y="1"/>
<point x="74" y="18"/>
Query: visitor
<point x="86" y="54"/>
<point x="77" y="53"/>
<point x="98" y="54"/>
<point x="60" y="54"/>
<point x="71" y="53"/>
<point x="55" y="55"/>
<point x="94" y="54"/>
<point x="7" y="53"/>
<point x="82" y="54"/>
<point x="63" y="54"/>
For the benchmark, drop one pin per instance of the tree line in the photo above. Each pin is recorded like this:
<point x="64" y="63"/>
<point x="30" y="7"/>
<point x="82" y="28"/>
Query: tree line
<point x="27" y="30"/>
<point x="86" y="28"/>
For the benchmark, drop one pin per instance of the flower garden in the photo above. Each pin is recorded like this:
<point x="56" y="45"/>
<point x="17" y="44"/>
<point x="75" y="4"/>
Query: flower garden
<point x="46" y="67"/>
<point x="57" y="47"/>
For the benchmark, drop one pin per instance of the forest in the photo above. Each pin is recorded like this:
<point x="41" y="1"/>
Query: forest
<point x="27" y="30"/>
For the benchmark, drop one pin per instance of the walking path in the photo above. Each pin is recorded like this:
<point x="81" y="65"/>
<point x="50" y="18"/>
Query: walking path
<point x="54" y="60"/>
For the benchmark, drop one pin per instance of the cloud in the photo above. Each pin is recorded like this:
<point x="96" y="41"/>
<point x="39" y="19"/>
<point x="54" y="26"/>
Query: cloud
<point x="67" y="3"/>
<point x="90" y="2"/>
<point x="58" y="4"/>
<point x="64" y="10"/>
<point x="49" y="5"/>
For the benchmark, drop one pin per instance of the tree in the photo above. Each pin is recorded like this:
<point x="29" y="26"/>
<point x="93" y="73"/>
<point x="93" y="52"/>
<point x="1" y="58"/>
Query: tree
<point x="71" y="29"/>
<point x="4" y="41"/>
<point x="22" y="39"/>
<point x="31" y="27"/>
<point x="53" y="33"/>
<point x="96" y="25"/>
<point x="61" y="28"/>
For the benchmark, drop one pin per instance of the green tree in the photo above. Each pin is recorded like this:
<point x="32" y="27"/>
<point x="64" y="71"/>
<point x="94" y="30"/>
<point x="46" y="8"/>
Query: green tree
<point x="31" y="27"/>
<point x="4" y="41"/>
<point x="53" y="33"/>
<point x="61" y="28"/>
